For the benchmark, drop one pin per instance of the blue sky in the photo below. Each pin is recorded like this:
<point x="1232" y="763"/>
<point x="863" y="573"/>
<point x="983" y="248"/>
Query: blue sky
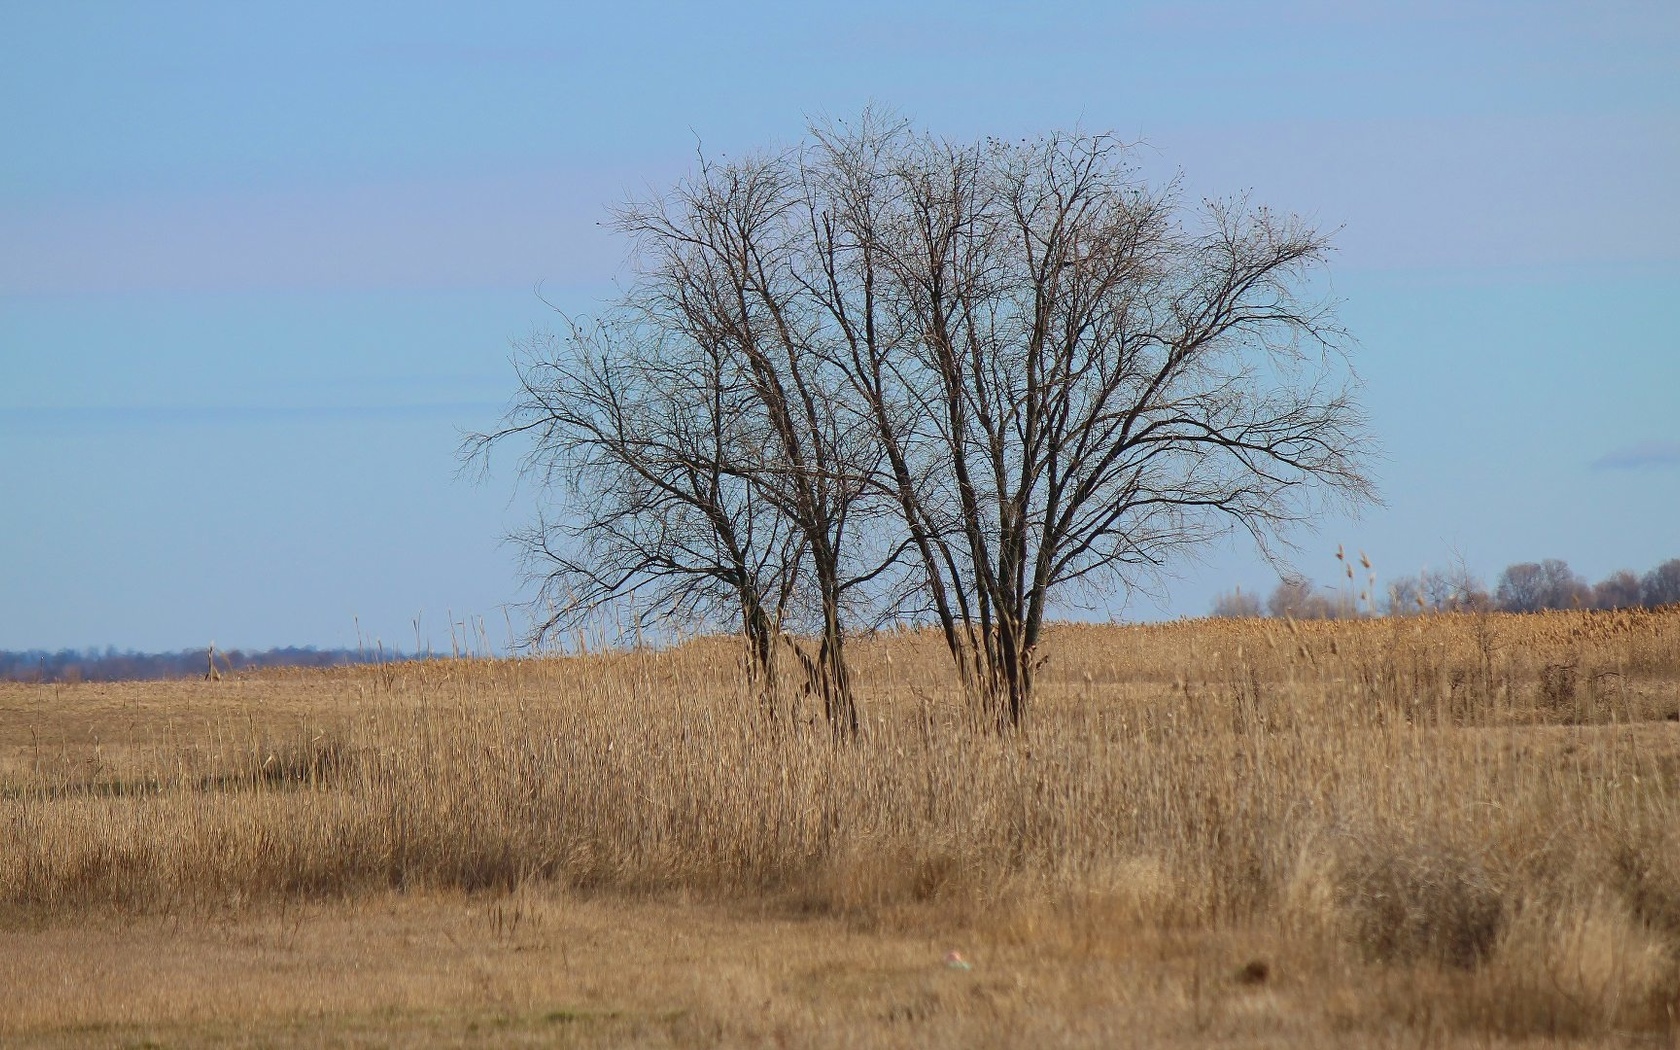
<point x="259" y="266"/>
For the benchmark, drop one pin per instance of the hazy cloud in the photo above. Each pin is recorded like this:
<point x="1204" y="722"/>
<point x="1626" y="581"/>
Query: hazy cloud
<point x="1642" y="455"/>
<point x="99" y="417"/>
<point x="509" y="232"/>
<point x="1461" y="191"/>
<point x="1407" y="192"/>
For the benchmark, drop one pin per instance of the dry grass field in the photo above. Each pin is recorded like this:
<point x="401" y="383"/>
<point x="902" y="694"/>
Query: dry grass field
<point x="1431" y="831"/>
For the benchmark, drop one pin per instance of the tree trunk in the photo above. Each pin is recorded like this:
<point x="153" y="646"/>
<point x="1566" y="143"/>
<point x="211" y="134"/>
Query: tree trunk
<point x="836" y="684"/>
<point x="761" y="652"/>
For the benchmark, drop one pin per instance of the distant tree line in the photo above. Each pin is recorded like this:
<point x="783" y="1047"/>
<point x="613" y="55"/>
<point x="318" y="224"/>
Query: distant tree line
<point x="1523" y="587"/>
<point x="110" y="665"/>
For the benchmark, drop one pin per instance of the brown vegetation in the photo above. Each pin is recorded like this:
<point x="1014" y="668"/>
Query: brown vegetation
<point x="1270" y="832"/>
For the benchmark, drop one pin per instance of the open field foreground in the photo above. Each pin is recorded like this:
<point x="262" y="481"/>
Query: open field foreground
<point x="1442" y="831"/>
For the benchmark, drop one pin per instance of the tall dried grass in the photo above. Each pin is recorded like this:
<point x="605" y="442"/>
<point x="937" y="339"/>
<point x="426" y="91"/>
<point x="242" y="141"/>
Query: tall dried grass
<point x="1421" y="796"/>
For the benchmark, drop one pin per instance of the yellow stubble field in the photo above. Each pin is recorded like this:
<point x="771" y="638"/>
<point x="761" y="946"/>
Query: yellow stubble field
<point x="1445" y="830"/>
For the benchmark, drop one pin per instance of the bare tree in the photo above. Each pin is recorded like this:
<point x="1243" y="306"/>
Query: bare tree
<point x="890" y="374"/>
<point x="700" y="433"/>
<point x="641" y="442"/>
<point x="1405" y="597"/>
<point x="1455" y="589"/>
<point x="1297" y="599"/>
<point x="727" y="259"/>
<point x="1533" y="586"/>
<point x="1661" y="586"/>
<point x="1073" y="376"/>
<point x="1521" y="588"/>
<point x="1619" y="590"/>
<point x="1237" y="605"/>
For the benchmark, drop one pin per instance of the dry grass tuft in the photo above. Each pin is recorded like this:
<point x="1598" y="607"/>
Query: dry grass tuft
<point x="1647" y="874"/>
<point x="1583" y="968"/>
<point x="1406" y="900"/>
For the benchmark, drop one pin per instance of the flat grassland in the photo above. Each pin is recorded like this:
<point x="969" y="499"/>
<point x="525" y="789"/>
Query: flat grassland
<point x="1443" y="830"/>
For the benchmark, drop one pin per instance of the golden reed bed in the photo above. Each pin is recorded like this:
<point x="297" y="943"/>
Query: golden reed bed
<point x="1461" y="828"/>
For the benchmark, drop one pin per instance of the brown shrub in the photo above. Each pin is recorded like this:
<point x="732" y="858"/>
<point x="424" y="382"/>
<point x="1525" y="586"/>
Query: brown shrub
<point x="1647" y="870"/>
<point x="1575" y="969"/>
<point x="1405" y="900"/>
